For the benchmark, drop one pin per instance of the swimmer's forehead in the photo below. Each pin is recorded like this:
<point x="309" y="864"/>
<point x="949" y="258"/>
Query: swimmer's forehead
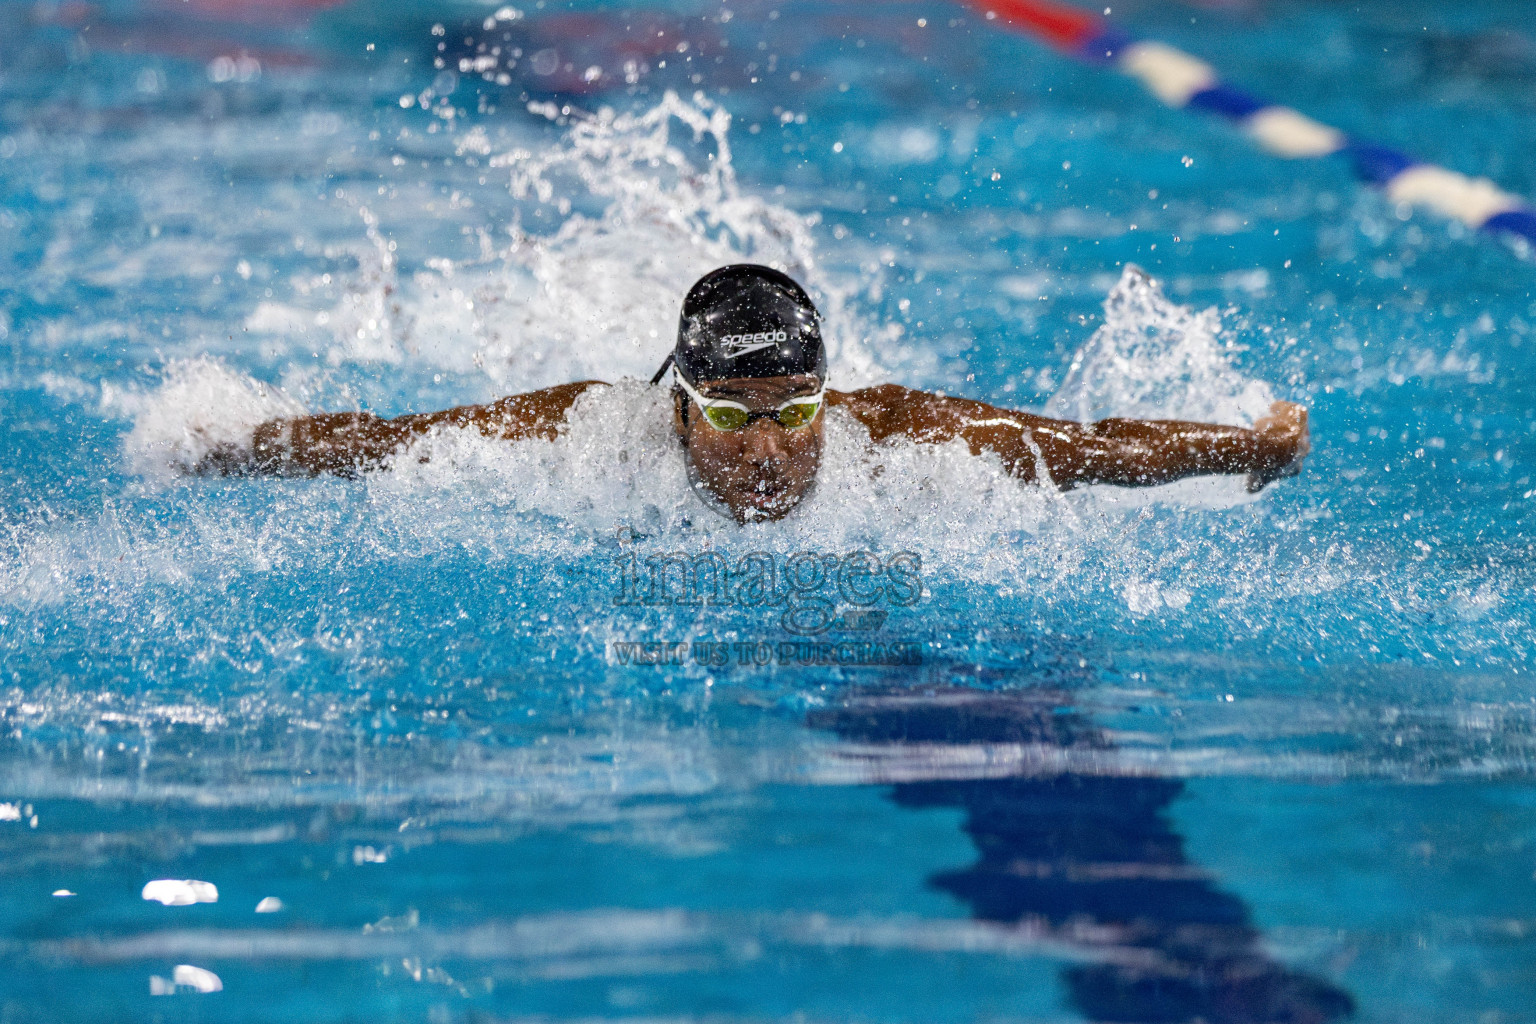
<point x="761" y="387"/>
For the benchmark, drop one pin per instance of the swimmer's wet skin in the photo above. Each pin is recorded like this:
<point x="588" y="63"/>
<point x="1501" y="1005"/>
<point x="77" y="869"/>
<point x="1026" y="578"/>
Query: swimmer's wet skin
<point x="751" y="373"/>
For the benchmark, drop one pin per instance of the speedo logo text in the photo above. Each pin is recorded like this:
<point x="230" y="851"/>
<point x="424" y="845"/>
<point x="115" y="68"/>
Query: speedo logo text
<point x="740" y="344"/>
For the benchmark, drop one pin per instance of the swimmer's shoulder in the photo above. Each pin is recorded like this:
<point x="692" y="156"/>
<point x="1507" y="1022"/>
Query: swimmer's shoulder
<point x="883" y="409"/>
<point x="877" y="395"/>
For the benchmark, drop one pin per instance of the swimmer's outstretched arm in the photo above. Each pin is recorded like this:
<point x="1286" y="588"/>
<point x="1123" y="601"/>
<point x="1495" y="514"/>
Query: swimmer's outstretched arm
<point x="349" y="443"/>
<point x="1131" y="453"/>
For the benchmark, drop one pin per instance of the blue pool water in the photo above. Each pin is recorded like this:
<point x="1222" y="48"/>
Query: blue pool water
<point x="1121" y="756"/>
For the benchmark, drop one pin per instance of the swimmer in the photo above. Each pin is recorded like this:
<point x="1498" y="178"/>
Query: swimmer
<point x="749" y="401"/>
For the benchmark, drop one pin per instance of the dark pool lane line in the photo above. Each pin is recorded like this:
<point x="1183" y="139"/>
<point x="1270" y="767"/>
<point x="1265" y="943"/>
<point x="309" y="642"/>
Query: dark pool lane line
<point x="1094" y="858"/>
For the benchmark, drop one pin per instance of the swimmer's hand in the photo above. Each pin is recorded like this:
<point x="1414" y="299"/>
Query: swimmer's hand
<point x="1284" y="442"/>
<point x="226" y="459"/>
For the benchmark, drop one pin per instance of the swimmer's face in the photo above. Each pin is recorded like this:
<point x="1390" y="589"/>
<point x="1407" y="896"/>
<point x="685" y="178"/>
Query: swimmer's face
<point x="763" y="470"/>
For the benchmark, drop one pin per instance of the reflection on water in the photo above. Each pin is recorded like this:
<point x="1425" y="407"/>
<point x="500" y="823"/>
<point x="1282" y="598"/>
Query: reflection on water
<point x="1093" y="859"/>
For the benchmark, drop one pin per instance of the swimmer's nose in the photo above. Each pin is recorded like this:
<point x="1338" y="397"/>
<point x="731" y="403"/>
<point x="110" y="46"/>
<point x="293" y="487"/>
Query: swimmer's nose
<point x="764" y="443"/>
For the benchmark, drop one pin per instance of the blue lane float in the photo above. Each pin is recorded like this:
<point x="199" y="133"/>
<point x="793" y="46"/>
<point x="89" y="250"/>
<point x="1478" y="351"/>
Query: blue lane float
<point x="1180" y="80"/>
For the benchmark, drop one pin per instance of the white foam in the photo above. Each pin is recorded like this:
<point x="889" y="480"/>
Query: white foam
<point x="180" y="892"/>
<point x="200" y="406"/>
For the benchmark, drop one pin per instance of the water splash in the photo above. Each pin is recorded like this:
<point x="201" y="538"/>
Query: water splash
<point x="617" y="466"/>
<point x="200" y="405"/>
<point x="1155" y="359"/>
<point x="611" y="226"/>
<point x="617" y="462"/>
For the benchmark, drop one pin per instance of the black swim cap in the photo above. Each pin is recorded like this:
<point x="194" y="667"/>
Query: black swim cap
<point x="747" y="320"/>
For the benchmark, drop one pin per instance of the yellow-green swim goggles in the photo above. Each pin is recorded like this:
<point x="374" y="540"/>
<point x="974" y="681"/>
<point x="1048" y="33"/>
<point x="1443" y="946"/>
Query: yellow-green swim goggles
<point x="724" y="414"/>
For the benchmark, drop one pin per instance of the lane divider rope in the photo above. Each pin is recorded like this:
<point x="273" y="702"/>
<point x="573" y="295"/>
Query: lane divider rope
<point x="1181" y="80"/>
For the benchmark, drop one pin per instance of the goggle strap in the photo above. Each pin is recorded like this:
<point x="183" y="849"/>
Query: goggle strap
<point x="706" y="403"/>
